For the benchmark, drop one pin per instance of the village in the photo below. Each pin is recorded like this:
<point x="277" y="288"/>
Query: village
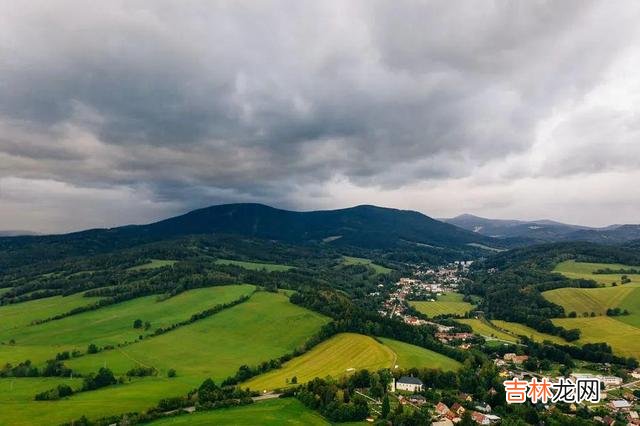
<point x="619" y="397"/>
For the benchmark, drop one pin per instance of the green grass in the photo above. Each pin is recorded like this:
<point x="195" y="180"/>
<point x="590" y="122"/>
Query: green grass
<point x="216" y="346"/>
<point x="623" y="338"/>
<point x="409" y="356"/>
<point x="265" y="327"/>
<point x="17" y="316"/>
<point x="596" y="300"/>
<point x="275" y="412"/>
<point x="485" y="329"/>
<point x="256" y="266"/>
<point x="584" y="270"/>
<point x="347" y="352"/>
<point x="523" y="330"/>
<point x="379" y="269"/>
<point x="111" y="325"/>
<point x="4" y="290"/>
<point x="155" y="263"/>
<point x="447" y="303"/>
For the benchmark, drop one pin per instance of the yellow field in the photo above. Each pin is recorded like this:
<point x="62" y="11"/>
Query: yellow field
<point x="523" y="330"/>
<point x="484" y="329"/>
<point x="347" y="352"/>
<point x="448" y="303"/>
<point x="598" y="300"/>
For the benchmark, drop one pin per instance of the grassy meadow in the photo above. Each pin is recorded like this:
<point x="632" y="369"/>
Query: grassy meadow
<point x="155" y="263"/>
<point x="623" y="338"/>
<point x="484" y="328"/>
<point x="212" y="347"/>
<point x="584" y="270"/>
<point x="255" y="266"/>
<point x="621" y="332"/>
<point x="110" y="325"/>
<point x="522" y="330"/>
<point x="414" y="356"/>
<point x="274" y="412"/>
<point x="379" y="269"/>
<point x="447" y="303"/>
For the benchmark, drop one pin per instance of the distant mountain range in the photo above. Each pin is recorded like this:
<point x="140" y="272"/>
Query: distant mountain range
<point x="367" y="227"/>
<point x="11" y="233"/>
<point x="543" y="231"/>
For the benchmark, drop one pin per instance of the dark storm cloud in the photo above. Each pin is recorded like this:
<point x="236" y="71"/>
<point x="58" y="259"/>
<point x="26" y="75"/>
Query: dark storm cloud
<point x="196" y="102"/>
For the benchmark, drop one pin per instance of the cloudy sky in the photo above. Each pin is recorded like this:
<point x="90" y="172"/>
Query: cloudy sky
<point x="118" y="112"/>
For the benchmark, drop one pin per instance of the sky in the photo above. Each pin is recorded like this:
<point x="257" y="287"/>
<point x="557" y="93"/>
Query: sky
<point x="119" y="112"/>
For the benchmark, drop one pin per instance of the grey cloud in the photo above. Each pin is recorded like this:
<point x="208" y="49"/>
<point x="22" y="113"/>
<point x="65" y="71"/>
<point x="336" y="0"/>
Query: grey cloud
<point x="199" y="101"/>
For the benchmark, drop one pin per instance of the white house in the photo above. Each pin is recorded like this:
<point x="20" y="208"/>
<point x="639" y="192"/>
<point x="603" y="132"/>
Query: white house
<point x="407" y="383"/>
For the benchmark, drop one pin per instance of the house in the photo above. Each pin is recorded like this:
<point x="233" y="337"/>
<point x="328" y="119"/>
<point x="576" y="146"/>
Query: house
<point x="445" y="422"/>
<point x="417" y="399"/>
<point x="408" y="383"/>
<point x="620" y="405"/>
<point x="484" y="407"/>
<point x="611" y="380"/>
<point x="608" y="421"/>
<point x="480" y="418"/>
<point x="465" y="397"/>
<point x="520" y="359"/>
<point x="442" y="409"/>
<point x="458" y="409"/>
<point x="492" y="418"/>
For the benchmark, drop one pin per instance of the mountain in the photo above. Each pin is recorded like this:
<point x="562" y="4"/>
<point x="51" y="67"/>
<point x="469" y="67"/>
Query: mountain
<point x="11" y="233"/>
<point x="544" y="231"/>
<point x="361" y="226"/>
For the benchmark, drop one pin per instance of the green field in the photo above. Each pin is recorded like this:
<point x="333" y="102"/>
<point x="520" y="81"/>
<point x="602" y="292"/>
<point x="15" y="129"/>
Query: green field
<point x="275" y="412"/>
<point x="256" y="266"/>
<point x="110" y="325"/>
<point x="623" y="338"/>
<point x="409" y="356"/>
<point x="215" y="347"/>
<point x="347" y="352"/>
<point x="447" y="303"/>
<point x="584" y="270"/>
<point x="155" y="263"/>
<point x="596" y="300"/>
<point x="523" y="330"/>
<point x="379" y="269"/>
<point x="621" y="332"/>
<point x="485" y="329"/>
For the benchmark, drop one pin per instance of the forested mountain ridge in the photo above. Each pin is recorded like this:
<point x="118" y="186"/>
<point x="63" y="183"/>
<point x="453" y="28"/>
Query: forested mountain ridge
<point x="364" y="226"/>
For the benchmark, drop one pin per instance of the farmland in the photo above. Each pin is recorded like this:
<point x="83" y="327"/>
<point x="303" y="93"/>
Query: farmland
<point x="414" y="356"/>
<point x="379" y="269"/>
<point x="255" y="266"/>
<point x="216" y="346"/>
<point x="349" y="352"/>
<point x="447" y="303"/>
<point x="487" y="330"/>
<point x="584" y="270"/>
<point x="334" y="357"/>
<point x="621" y="332"/>
<point x="623" y="338"/>
<point x="110" y="325"/>
<point x="522" y="330"/>
<point x="273" y="412"/>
